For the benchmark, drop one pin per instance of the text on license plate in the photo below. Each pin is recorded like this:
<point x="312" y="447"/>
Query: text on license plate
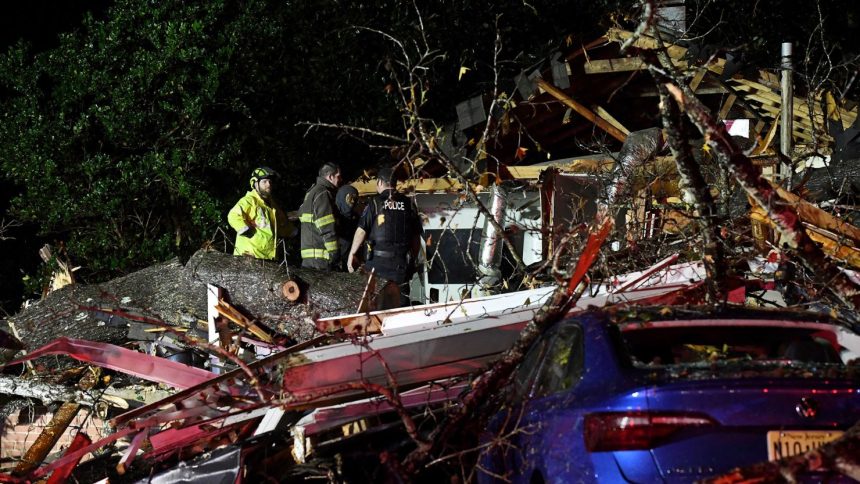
<point x="785" y="443"/>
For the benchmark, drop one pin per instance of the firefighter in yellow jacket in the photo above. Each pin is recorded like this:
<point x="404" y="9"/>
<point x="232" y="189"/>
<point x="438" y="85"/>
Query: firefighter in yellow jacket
<point x="256" y="218"/>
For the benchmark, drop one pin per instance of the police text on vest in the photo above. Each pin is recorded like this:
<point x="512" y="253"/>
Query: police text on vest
<point x="393" y="205"/>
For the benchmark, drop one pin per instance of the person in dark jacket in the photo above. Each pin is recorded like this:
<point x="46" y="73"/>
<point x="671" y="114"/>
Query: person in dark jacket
<point x="319" y="246"/>
<point x="347" y="220"/>
<point x="392" y="228"/>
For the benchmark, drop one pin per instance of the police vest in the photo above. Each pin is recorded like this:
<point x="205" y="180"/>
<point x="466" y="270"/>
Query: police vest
<point x="392" y="224"/>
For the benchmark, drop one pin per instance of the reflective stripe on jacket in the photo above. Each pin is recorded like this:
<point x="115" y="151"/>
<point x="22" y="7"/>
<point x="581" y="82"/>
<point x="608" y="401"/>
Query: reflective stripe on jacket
<point x="319" y="239"/>
<point x="252" y="209"/>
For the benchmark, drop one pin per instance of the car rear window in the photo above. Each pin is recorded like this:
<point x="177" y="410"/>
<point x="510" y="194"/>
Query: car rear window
<point x="659" y="346"/>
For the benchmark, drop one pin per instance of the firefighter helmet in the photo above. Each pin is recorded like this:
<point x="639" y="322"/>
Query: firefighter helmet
<point x="261" y="173"/>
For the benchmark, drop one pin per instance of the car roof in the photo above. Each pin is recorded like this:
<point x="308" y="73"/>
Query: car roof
<point x="739" y="322"/>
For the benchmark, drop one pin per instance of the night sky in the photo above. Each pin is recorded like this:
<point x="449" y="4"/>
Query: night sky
<point x="39" y="21"/>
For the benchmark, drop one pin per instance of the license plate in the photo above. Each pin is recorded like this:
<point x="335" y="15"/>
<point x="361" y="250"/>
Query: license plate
<point x="786" y="443"/>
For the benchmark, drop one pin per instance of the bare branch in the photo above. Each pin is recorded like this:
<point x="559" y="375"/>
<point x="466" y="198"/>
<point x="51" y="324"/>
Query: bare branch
<point x="346" y="127"/>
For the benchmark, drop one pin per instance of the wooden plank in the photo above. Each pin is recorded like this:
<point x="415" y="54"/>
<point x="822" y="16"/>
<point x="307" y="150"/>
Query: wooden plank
<point x="801" y="127"/>
<point x="768" y="139"/>
<point x="610" y="119"/>
<point x="702" y="91"/>
<point x="772" y="111"/>
<point x="727" y="106"/>
<point x="697" y="79"/>
<point x="423" y="185"/>
<point x="233" y="314"/>
<point x="834" y="248"/>
<point x="131" y="451"/>
<point x="623" y="64"/>
<point x="584" y="111"/>
<point x="801" y="108"/>
<point x="819" y="218"/>
<point x="760" y="93"/>
<point x="600" y="41"/>
<point x="577" y="166"/>
<point x="675" y="52"/>
<point x="662" y="165"/>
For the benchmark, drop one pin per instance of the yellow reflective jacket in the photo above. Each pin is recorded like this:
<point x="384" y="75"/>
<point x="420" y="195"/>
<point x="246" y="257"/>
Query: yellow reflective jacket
<point x="268" y="221"/>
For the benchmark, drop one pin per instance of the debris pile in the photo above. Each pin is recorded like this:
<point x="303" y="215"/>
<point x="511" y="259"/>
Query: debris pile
<point x="228" y="366"/>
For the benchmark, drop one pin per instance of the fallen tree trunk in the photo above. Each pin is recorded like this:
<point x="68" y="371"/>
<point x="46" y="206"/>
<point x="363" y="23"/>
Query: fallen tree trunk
<point x="48" y="393"/>
<point x="176" y="294"/>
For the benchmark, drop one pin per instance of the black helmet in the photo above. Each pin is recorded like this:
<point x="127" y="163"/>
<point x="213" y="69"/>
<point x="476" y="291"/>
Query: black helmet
<point x="261" y="173"/>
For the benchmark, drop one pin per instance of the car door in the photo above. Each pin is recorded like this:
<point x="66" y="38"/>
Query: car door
<point x="552" y="366"/>
<point x="547" y="412"/>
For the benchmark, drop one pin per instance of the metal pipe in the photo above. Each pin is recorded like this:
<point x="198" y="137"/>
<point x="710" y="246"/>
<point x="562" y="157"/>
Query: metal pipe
<point x="491" y="251"/>
<point x="786" y="127"/>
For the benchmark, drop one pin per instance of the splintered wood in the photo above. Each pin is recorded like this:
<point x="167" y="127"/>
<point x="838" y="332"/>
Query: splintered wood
<point x="233" y="314"/>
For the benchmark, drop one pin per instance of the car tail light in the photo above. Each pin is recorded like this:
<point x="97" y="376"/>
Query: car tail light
<point x="637" y="430"/>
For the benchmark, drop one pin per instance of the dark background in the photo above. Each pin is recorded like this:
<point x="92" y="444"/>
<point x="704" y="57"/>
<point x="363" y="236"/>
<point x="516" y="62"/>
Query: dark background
<point x="37" y="23"/>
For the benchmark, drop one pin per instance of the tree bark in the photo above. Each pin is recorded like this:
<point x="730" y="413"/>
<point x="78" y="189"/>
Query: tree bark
<point x="46" y="392"/>
<point x="176" y="294"/>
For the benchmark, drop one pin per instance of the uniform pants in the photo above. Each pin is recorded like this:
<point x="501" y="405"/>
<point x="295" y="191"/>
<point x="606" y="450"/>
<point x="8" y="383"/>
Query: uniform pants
<point x="392" y="296"/>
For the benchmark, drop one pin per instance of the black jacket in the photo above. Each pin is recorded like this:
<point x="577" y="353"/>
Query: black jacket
<point x="318" y="239"/>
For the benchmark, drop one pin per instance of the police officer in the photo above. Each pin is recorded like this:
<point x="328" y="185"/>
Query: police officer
<point x="392" y="228"/>
<point x="348" y="212"/>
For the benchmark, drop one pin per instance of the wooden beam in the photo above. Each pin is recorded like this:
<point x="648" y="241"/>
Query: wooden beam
<point x="590" y="165"/>
<point x="56" y="427"/>
<point x="801" y="107"/>
<point x="697" y="79"/>
<point x="623" y="64"/>
<point x="424" y="185"/>
<point x="227" y="311"/>
<point x="819" y="218"/>
<point x="834" y="248"/>
<point x="610" y="119"/>
<point x="727" y="106"/>
<point x="702" y="91"/>
<point x="675" y="52"/>
<point x="584" y="111"/>
<point x="802" y="128"/>
<point x="768" y="139"/>
<point x="663" y="165"/>
<point x="585" y="48"/>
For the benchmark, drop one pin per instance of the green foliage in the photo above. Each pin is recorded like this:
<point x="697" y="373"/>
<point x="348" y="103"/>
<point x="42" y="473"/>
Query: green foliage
<point x="132" y="138"/>
<point x="114" y="137"/>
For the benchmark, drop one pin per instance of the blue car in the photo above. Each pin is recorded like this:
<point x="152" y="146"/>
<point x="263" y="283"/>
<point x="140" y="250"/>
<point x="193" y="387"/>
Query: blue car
<point x="664" y="396"/>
